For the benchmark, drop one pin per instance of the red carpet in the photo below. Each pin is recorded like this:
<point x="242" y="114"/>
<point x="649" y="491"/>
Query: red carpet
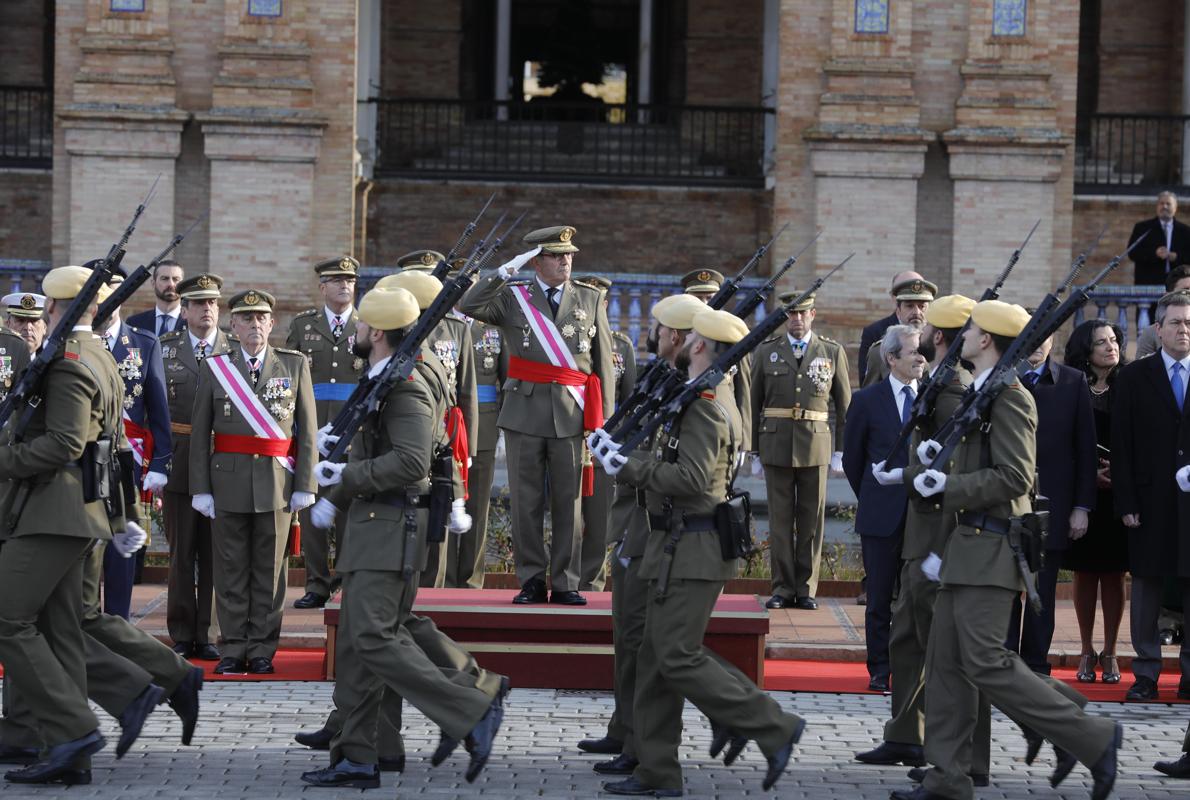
<point x="291" y="665"/>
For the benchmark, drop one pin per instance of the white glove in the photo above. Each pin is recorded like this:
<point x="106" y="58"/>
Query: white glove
<point x="326" y="442"/>
<point x="499" y="454"/>
<point x="322" y="515"/>
<point x="892" y="477"/>
<point x="1183" y="478"/>
<point x="154" y="482"/>
<point x="740" y="458"/>
<point x="757" y="466"/>
<point x="932" y="567"/>
<point x="204" y="504"/>
<point x="460" y="520"/>
<point x="927" y="450"/>
<point x="133" y="538"/>
<point x="300" y="500"/>
<point x="328" y="473"/>
<point x="613" y="463"/>
<point x="509" y="268"/>
<point x="837" y="463"/>
<point x="601" y="444"/>
<point x="939" y="481"/>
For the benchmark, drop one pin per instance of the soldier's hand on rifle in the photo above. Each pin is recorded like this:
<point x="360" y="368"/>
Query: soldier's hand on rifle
<point x="891" y="477"/>
<point x="299" y="501"/>
<point x="613" y="463"/>
<point x="932" y="567"/>
<point x="131" y="539"/>
<point x="328" y="473"/>
<point x="154" y="482"/>
<point x="325" y="441"/>
<point x="510" y="267"/>
<point x="937" y="478"/>
<point x="757" y="466"/>
<point x="322" y="515"/>
<point x="928" y="450"/>
<point x="460" y="520"/>
<point x="204" y="504"/>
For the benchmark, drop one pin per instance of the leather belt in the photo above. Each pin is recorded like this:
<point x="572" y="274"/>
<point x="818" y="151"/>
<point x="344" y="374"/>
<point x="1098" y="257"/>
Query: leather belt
<point x="690" y="522"/>
<point x="396" y="501"/>
<point x="180" y="427"/>
<point x="985" y="522"/>
<point x="796" y="413"/>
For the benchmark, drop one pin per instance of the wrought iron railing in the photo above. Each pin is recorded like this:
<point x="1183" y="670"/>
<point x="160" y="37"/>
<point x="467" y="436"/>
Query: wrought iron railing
<point x="554" y="141"/>
<point x="1132" y="153"/>
<point x="26" y="127"/>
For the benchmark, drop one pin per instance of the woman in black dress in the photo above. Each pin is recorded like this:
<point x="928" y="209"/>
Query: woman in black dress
<point x="1099" y="558"/>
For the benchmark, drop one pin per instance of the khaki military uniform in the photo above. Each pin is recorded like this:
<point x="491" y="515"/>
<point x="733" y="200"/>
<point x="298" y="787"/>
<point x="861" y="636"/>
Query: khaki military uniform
<point x="966" y="652"/>
<point x="543" y="423"/>
<point x="334" y="372"/>
<point x="673" y="664"/>
<point x="190" y="606"/>
<point x="791" y="401"/>
<point x="596" y="508"/>
<point x="14" y="357"/>
<point x="877" y="367"/>
<point x="251" y="494"/>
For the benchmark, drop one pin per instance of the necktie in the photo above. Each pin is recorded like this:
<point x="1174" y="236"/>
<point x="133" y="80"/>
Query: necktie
<point x="337" y="327"/>
<point x="1179" y="384"/>
<point x="163" y="325"/>
<point x="553" y="298"/>
<point x="1031" y="379"/>
<point x="907" y="404"/>
<point x="200" y="350"/>
<point x="254" y="369"/>
<point x="110" y="340"/>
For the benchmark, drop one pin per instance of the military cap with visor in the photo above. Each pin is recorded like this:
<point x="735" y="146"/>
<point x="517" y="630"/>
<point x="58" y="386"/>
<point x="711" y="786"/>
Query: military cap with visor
<point x="557" y="239"/>
<point x="343" y="266"/>
<point x="915" y="289"/>
<point x="702" y="280"/>
<point x="25" y="305"/>
<point x="205" y="286"/>
<point x="420" y="260"/>
<point x="788" y="297"/>
<point x="252" y="300"/>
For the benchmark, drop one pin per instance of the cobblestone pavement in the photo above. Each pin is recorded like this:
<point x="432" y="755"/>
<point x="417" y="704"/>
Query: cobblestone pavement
<point x="244" y="748"/>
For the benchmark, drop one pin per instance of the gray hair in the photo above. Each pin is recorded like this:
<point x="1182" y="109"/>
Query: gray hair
<point x="1168" y="194"/>
<point x="1171" y="299"/>
<point x="894" y="340"/>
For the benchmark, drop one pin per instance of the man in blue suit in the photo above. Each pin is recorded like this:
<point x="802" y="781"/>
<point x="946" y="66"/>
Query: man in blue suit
<point x="146" y="428"/>
<point x="874" y="419"/>
<point x="166" y="316"/>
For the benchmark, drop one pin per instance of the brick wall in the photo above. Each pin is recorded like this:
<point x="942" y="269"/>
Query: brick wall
<point x="723" y="51"/>
<point x="1119" y="214"/>
<point x="420" y="48"/>
<point x="25" y="214"/>
<point x="22" y="42"/>
<point x="1140" y="64"/>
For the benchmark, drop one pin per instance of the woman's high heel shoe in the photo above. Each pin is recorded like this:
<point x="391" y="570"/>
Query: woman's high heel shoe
<point x="1111" y="668"/>
<point x="1086" y="668"/>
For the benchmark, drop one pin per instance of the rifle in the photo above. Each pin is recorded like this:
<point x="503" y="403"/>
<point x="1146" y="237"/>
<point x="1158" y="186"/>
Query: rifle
<point x="923" y="404"/>
<point x="760" y="296"/>
<point x="27" y="393"/>
<point x="732" y="285"/>
<point x="443" y="266"/>
<point x="141" y="274"/>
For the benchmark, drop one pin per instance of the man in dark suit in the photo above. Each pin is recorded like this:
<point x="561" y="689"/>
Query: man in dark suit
<point x="872" y="333"/>
<point x="166" y="316"/>
<point x="1066" y="462"/>
<point x="1166" y="246"/>
<point x="1150" y="434"/>
<point x="874" y="419"/>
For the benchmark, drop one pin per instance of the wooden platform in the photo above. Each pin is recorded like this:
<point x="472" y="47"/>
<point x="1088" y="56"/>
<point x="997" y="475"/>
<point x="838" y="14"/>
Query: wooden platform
<point x="564" y="647"/>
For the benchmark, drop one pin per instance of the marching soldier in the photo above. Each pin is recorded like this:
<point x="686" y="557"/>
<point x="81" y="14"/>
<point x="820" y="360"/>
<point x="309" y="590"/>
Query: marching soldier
<point x="324" y="335"/>
<point x="560" y="359"/>
<point x="685" y="476"/>
<point x="796" y="375"/>
<point x="26" y="317"/>
<point x="257" y="402"/>
<point x="913" y="298"/>
<point x="190" y="605"/>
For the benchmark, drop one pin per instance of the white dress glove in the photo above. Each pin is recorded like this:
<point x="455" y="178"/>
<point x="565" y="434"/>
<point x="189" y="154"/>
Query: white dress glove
<point x="837" y="463"/>
<point x="499" y="454"/>
<point x="510" y="267"/>
<point x="757" y="466"/>
<point x="613" y="463"/>
<point x="1183" y="478"/>
<point x="154" y="482"/>
<point x="460" y="520"/>
<point x="133" y="538"/>
<point x="892" y="477"/>
<point x="939" y="481"/>
<point x="300" y="500"/>
<point x="328" y="473"/>
<point x="326" y="442"/>
<point x="932" y="567"/>
<point x="322" y="515"/>
<point x="204" y="504"/>
<point x="927" y="450"/>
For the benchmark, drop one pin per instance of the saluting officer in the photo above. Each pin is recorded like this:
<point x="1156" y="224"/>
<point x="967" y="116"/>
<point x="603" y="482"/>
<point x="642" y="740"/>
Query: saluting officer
<point x="257" y="403"/>
<point x="325" y="335"/>
<point x="703" y="284"/>
<point x="796" y="376"/>
<point x="190" y="604"/>
<point x="913" y="298"/>
<point x="560" y="379"/>
<point x="685" y="477"/>
<point x="26" y="318"/>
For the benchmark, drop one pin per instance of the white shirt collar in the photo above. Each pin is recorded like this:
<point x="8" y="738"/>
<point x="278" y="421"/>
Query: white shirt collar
<point x="177" y="312"/>
<point x="793" y="342"/>
<point x="87" y="328"/>
<point x="379" y="367"/>
<point x="897" y="386"/>
<point x="981" y="378"/>
<point x="330" y="316"/>
<point x="547" y="288"/>
<point x="260" y="357"/>
<point x="1169" y="362"/>
<point x="112" y="329"/>
<point x="194" y="340"/>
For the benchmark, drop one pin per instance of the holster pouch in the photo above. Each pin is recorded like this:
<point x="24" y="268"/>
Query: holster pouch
<point x="442" y="494"/>
<point x="100" y="471"/>
<point x="733" y="523"/>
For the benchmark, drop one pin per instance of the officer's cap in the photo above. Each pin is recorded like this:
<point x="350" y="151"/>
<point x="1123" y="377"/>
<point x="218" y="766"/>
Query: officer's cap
<point x="420" y="260"/>
<point x="677" y="311"/>
<point x="424" y="286"/>
<point x="788" y="297"/>
<point x="1000" y="318"/>
<point x="388" y="308"/>
<point x="721" y="326"/>
<point x="552" y="240"/>
<point x="25" y="305"/>
<point x="64" y="283"/>
<point x="252" y="300"/>
<point x="950" y="311"/>
<point x="343" y="265"/>
<point x="201" y="287"/>
<point x="702" y="280"/>
<point x="915" y="289"/>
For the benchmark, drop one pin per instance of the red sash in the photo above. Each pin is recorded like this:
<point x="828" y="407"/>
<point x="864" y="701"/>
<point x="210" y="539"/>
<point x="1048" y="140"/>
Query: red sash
<point x="460" y="446"/>
<point x="252" y="445"/>
<point x="134" y="431"/>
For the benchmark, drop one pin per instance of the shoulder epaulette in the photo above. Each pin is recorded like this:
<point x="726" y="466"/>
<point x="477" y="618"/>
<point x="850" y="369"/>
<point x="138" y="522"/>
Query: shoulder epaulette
<point x="709" y="394"/>
<point x="309" y="312"/>
<point x="622" y="336"/>
<point x="287" y="351"/>
<point x="517" y="282"/>
<point x="588" y="286"/>
<point x="169" y="337"/>
<point x="773" y="338"/>
<point x="832" y="341"/>
<point x="71" y="349"/>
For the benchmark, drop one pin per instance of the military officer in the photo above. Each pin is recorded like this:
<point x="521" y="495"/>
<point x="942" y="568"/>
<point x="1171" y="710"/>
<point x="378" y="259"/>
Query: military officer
<point x="324" y="335"/>
<point x="796" y="376"/>
<point x="703" y="284"/>
<point x="258" y="403"/>
<point x="190" y="605"/>
<point x="685" y="476"/>
<point x="389" y="468"/>
<point x="560" y="359"/>
<point x="913" y="297"/>
<point x="15" y="351"/>
<point x="593" y="552"/>
<point x="987" y="484"/>
<point x="26" y="317"/>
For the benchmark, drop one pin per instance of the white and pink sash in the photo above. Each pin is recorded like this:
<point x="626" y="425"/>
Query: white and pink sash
<point x="245" y="400"/>
<point x="550" y="339"/>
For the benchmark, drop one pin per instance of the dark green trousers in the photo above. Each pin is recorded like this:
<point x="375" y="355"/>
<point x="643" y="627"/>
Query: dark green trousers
<point x="630" y="598"/>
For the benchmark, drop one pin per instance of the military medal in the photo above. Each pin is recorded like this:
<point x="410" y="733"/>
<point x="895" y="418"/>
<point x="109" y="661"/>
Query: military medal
<point x="773" y="357"/>
<point x="227" y="408"/>
<point x="525" y="341"/>
<point x="580" y="314"/>
<point x="357" y="364"/>
<point x="488" y="362"/>
<point x="568" y="331"/>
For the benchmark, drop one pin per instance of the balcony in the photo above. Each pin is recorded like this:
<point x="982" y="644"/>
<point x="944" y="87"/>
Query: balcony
<point x="26" y="127"/>
<point x="1131" y="153"/>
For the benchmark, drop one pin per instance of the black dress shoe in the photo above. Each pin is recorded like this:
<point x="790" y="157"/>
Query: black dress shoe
<point x="184" y="702"/>
<point x="479" y="741"/>
<point x="620" y="765"/>
<point x="806" y="603"/>
<point x="918" y="774"/>
<point x="634" y="788"/>
<point x="310" y="600"/>
<point x="1183" y="691"/>
<point x="1143" y="689"/>
<point x="889" y="753"/>
<point x="206" y="652"/>
<point x="318" y="740"/>
<point x="446" y="746"/>
<point x="532" y="592"/>
<point x="1033" y="743"/>
<point x="17" y="755"/>
<point x="59" y="760"/>
<point x="184" y="649"/>
<point x="1175" y="769"/>
<point x="878" y="684"/>
<point x="345" y="774"/>
<point x="393" y="764"/>
<point x="567" y="598"/>
<point x="607" y="746"/>
<point x="721" y="737"/>
<point x="1104" y="770"/>
<point x="261" y="665"/>
<point x="776" y="601"/>
<point x="916" y="793"/>
<point x="73" y="777"/>
<point x="1063" y="763"/>
<point x="231" y="666"/>
<point x="779" y="760"/>
<point x="132" y="719"/>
